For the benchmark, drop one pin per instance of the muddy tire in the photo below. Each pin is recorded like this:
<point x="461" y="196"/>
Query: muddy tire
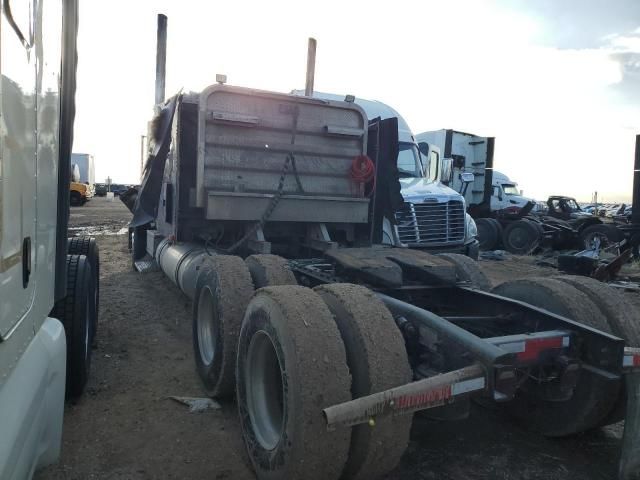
<point x="377" y="360"/>
<point x="468" y="270"/>
<point x="621" y="319"/>
<point x="608" y="235"/>
<point x="88" y="247"/>
<point x="291" y="365"/>
<point x="488" y="233"/>
<point x="618" y="312"/>
<point x="223" y="290"/>
<point x="269" y="270"/>
<point x="521" y="237"/>
<point x="593" y="397"/>
<point x="74" y="311"/>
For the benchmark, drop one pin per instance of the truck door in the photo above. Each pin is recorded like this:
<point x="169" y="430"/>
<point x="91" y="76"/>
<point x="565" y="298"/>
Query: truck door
<point x="17" y="163"/>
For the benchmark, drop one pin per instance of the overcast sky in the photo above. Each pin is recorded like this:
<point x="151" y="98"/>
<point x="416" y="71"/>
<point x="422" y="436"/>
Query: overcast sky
<point x="556" y="82"/>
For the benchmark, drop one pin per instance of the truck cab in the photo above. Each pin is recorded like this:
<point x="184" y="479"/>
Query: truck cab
<point x="433" y="216"/>
<point x="46" y="291"/>
<point x="505" y="195"/>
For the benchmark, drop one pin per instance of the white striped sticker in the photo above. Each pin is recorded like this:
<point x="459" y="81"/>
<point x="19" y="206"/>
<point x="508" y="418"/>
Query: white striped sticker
<point x="468" y="386"/>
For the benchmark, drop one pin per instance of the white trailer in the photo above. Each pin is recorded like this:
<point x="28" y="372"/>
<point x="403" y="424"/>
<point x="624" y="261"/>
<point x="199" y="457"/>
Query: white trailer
<point x="469" y="153"/>
<point x="86" y="165"/>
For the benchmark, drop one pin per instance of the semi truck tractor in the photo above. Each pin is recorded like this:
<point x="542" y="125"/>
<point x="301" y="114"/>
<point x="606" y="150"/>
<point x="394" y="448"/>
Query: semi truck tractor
<point x="265" y="209"/>
<point x="433" y="216"/>
<point x="474" y="154"/>
<point x="505" y="195"/>
<point x="48" y="283"/>
<point x="468" y="153"/>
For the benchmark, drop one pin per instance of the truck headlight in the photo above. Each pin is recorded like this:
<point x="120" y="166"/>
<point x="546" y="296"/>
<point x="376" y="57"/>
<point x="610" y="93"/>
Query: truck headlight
<point x="470" y="228"/>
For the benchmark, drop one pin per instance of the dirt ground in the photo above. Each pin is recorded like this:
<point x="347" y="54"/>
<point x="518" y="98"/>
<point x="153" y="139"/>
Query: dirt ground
<point x="126" y="427"/>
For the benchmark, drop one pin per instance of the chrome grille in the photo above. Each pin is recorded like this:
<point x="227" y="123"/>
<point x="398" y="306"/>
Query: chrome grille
<point x="431" y="223"/>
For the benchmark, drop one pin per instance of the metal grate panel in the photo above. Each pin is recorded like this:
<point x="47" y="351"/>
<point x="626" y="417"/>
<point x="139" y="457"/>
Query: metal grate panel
<point x="431" y="223"/>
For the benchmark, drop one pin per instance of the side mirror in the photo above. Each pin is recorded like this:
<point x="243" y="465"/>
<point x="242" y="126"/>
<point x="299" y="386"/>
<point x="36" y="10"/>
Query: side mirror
<point x="446" y="170"/>
<point x="467" y="177"/>
<point x="423" y="147"/>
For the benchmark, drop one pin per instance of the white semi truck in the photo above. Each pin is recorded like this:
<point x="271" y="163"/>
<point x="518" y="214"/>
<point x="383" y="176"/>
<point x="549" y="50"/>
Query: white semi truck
<point x="505" y="195"/>
<point x="48" y="288"/>
<point x="433" y="216"/>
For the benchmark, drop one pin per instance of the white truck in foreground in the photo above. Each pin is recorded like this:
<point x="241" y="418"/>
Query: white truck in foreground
<point x="48" y="288"/>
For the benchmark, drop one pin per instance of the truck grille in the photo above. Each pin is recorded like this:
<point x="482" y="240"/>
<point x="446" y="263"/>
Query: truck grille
<point x="431" y="223"/>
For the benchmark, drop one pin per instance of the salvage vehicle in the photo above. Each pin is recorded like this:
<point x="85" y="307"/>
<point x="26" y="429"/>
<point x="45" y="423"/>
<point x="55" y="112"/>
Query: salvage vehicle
<point x="101" y="189"/>
<point x="48" y="283"/>
<point x="505" y="194"/>
<point x="255" y="205"/>
<point x="79" y="193"/>
<point x="433" y="216"/>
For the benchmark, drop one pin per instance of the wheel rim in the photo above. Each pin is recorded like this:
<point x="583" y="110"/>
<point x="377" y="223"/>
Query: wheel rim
<point x="519" y="237"/>
<point x="590" y="241"/>
<point x="207" y="328"/>
<point x="265" y="392"/>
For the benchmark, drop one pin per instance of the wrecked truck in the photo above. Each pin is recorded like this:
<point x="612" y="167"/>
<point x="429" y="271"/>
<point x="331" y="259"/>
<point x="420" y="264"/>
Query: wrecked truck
<point x="258" y="207"/>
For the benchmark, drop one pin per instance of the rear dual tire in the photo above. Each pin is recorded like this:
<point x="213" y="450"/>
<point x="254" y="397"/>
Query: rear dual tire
<point x="88" y="247"/>
<point x="522" y="237"/>
<point x="593" y="397"/>
<point x="319" y="348"/>
<point x="489" y="233"/>
<point x="291" y="365"/>
<point x="223" y="290"/>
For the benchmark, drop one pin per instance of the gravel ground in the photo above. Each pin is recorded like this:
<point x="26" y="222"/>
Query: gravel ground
<point x="126" y="427"/>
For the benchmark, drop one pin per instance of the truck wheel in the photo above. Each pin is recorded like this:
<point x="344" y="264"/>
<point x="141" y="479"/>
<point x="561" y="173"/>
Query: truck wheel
<point x="521" y="237"/>
<point x="608" y="235"/>
<point x="488" y="233"/>
<point x="620" y="319"/>
<point x="593" y="397"/>
<point x="291" y="365"/>
<point x="75" y="199"/>
<point x="74" y="311"/>
<point x="269" y="270"/>
<point x="223" y="290"/>
<point x="377" y="360"/>
<point x="500" y="230"/>
<point x="468" y="270"/>
<point x="88" y="247"/>
<point x="617" y="311"/>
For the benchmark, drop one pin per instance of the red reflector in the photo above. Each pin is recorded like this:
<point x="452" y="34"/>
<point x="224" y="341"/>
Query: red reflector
<point x="636" y="360"/>
<point x="533" y="347"/>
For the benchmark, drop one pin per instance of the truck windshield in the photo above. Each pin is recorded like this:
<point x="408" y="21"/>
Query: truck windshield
<point x="409" y="164"/>
<point x="510" y="189"/>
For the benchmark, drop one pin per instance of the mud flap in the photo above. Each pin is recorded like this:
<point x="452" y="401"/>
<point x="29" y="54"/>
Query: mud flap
<point x="629" y="467"/>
